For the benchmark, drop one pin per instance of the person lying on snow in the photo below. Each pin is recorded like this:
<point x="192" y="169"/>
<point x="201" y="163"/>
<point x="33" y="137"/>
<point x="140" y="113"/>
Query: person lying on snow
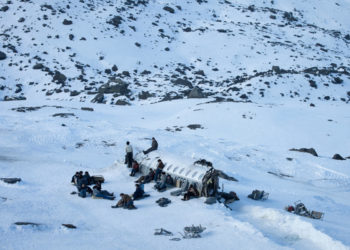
<point x="161" y="185"/>
<point x="135" y="168"/>
<point x="125" y="202"/>
<point x="146" y="178"/>
<point x="139" y="192"/>
<point x="191" y="192"/>
<point x="153" y="147"/>
<point x="98" y="192"/>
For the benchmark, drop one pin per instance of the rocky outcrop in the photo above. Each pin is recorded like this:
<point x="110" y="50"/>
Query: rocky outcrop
<point x="305" y="150"/>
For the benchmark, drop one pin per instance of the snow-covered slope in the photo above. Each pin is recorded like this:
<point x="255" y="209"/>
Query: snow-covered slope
<point x="245" y="140"/>
<point x="238" y="83"/>
<point x="161" y="50"/>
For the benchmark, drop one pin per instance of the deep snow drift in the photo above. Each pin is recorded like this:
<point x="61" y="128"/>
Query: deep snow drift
<point x="244" y="140"/>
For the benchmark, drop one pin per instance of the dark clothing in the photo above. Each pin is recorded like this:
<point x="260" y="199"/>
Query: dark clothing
<point x="102" y="193"/>
<point x="158" y="170"/>
<point x="138" y="193"/>
<point x="125" y="202"/>
<point x="153" y="147"/>
<point x="191" y="192"/>
<point x="128" y="159"/>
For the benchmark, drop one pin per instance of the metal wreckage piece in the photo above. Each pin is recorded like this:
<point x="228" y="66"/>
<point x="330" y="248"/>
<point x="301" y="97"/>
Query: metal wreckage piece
<point x="193" y="232"/>
<point x="162" y="231"/>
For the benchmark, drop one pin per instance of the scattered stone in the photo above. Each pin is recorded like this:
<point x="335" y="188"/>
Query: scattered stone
<point x="289" y="159"/>
<point x="122" y="103"/>
<point x="145" y="95"/>
<point x="115" y="21"/>
<point x="21" y="223"/>
<point x="169" y="9"/>
<point x="183" y="82"/>
<point x="11" y="180"/>
<point x="99" y="98"/>
<point x="63" y="115"/>
<point x="305" y="150"/>
<point x="38" y="66"/>
<point x="4" y="8"/>
<point x="74" y="93"/>
<point x="21" y="20"/>
<point x="115" y="68"/>
<point x="338" y="157"/>
<point x="67" y="22"/>
<point x="313" y="84"/>
<point x="194" y="126"/>
<point x="2" y="56"/>
<point x="196" y="92"/>
<point x="115" y="86"/>
<point x="337" y="80"/>
<point x="70" y="226"/>
<point x="59" y="77"/>
<point x="87" y="109"/>
<point x="15" y="98"/>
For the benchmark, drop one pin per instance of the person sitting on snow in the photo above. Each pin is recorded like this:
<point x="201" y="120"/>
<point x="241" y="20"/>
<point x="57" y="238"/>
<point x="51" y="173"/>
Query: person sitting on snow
<point x="162" y="183"/>
<point x="153" y="147"/>
<point x="146" y="178"/>
<point x="191" y="192"/>
<point x="97" y="192"/>
<point x="135" y="168"/>
<point x="138" y="192"/>
<point x="125" y="202"/>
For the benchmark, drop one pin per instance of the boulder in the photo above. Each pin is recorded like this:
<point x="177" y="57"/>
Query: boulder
<point x="338" y="157"/>
<point x="115" y="86"/>
<point x="67" y="22"/>
<point x="305" y="150"/>
<point x="169" y="9"/>
<point x="11" y="180"/>
<point x="196" y="92"/>
<point x="115" y="21"/>
<point x="183" y="82"/>
<point x="87" y="109"/>
<point x="145" y="95"/>
<point x="99" y="98"/>
<point x="59" y="77"/>
<point x="2" y="56"/>
<point x="74" y="93"/>
<point x="122" y="103"/>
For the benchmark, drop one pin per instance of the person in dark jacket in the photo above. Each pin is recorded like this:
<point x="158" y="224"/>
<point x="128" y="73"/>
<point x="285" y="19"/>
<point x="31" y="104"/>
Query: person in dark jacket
<point x="153" y="147"/>
<point x="162" y="183"/>
<point x="74" y="178"/>
<point x="135" y="168"/>
<point x="138" y="192"/>
<point x="191" y="192"/>
<point x="159" y="169"/>
<point x="146" y="178"/>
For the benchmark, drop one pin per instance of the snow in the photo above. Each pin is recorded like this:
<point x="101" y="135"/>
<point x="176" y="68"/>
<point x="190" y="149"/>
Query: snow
<point x="37" y="148"/>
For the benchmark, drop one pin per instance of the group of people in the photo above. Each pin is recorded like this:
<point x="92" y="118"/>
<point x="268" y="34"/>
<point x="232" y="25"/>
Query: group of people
<point x="161" y="179"/>
<point x="83" y="181"/>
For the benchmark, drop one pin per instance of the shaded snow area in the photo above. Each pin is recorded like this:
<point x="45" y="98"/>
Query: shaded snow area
<point x="244" y="140"/>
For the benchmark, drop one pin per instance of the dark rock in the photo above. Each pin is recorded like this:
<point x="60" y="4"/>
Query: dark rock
<point x="122" y="103"/>
<point x="196" y="92"/>
<point x="347" y="36"/>
<point x="338" y="157"/>
<point x="305" y="150"/>
<point x="108" y="71"/>
<point x="70" y="226"/>
<point x="243" y="96"/>
<point x="67" y="22"/>
<point x="145" y="95"/>
<point x="313" y="84"/>
<point x="11" y="180"/>
<point x="115" y="68"/>
<point x="63" y="115"/>
<point x="87" y="109"/>
<point x="183" y="82"/>
<point x="276" y="69"/>
<point x="99" y="98"/>
<point x="115" y="86"/>
<point x="289" y="16"/>
<point x="71" y="37"/>
<point x="194" y="126"/>
<point x="38" y="66"/>
<point x="337" y="80"/>
<point x="115" y="21"/>
<point x="126" y="73"/>
<point x="15" y="98"/>
<point x="74" y="93"/>
<point x="169" y="9"/>
<point x="348" y="93"/>
<point x="59" y="77"/>
<point x="4" y="8"/>
<point x="2" y="56"/>
<point x="137" y="44"/>
<point x="188" y="29"/>
<point x="21" y="20"/>
<point x="199" y="72"/>
<point x="22" y="223"/>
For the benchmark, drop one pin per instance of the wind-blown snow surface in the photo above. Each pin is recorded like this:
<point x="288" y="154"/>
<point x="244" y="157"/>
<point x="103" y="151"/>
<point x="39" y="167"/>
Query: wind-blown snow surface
<point x="244" y="140"/>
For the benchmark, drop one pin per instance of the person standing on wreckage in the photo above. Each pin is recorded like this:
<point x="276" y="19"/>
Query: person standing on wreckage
<point x="129" y="154"/>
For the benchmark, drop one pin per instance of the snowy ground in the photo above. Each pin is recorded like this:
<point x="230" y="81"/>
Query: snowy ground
<point x="244" y="140"/>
